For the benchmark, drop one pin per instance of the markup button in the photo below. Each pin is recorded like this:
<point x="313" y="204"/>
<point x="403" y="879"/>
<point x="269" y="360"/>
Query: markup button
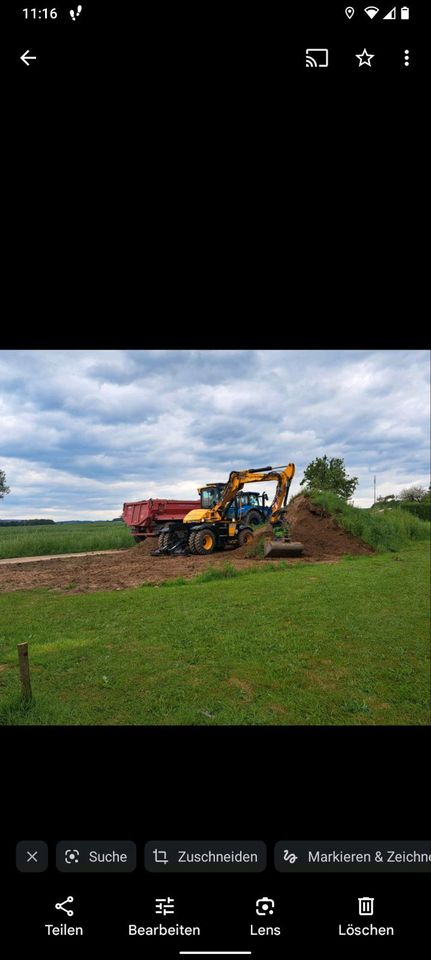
<point x="205" y="856"/>
<point x="348" y="856"/>
<point x="96" y="856"/>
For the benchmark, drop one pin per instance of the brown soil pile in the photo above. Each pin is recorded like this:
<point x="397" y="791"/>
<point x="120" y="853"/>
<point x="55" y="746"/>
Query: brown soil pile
<point x="323" y="541"/>
<point x="320" y="533"/>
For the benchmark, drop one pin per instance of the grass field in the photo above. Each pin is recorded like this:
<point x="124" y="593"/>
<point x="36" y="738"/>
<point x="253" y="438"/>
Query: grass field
<point x="63" y="538"/>
<point x="343" y="643"/>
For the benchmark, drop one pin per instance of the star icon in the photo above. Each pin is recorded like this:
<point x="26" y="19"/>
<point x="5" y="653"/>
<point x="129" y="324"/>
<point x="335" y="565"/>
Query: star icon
<point x="365" y="58"/>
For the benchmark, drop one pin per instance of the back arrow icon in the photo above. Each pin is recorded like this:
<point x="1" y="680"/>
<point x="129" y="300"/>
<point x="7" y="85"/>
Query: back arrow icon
<point x="25" y="58"/>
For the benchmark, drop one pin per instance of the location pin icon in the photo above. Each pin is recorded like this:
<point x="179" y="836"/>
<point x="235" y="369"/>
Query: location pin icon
<point x="350" y="11"/>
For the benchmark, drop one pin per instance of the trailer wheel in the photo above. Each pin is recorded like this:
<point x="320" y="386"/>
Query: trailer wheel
<point x="245" y="536"/>
<point x="204" y="541"/>
<point x="253" y="517"/>
<point x="138" y="539"/>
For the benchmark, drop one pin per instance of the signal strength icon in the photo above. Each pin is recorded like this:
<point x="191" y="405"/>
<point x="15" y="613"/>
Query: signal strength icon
<point x="372" y="12"/>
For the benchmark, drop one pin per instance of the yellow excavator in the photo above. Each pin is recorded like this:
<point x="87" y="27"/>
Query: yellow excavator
<point x="203" y="531"/>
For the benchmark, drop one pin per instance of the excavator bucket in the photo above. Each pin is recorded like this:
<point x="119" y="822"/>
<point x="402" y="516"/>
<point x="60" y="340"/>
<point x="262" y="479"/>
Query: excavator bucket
<point x="275" y="549"/>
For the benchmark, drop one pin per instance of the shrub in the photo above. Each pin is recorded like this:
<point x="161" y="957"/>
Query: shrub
<point x="421" y="510"/>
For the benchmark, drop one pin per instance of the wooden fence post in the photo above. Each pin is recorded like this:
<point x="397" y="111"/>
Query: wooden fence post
<point x="24" y="670"/>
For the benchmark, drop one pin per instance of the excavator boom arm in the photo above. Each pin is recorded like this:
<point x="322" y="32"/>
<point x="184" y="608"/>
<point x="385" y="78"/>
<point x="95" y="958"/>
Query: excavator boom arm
<point x="237" y="480"/>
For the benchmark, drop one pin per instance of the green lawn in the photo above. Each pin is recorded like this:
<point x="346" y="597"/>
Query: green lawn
<point x="342" y="643"/>
<point x="37" y="540"/>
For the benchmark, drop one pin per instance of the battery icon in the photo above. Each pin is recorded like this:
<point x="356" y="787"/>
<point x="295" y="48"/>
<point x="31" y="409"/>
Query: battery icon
<point x="405" y="13"/>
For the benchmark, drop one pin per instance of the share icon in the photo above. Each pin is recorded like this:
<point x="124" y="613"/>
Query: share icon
<point x="60" y="906"/>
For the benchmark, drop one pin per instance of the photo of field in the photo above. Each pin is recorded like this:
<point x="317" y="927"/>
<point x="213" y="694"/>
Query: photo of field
<point x="121" y="621"/>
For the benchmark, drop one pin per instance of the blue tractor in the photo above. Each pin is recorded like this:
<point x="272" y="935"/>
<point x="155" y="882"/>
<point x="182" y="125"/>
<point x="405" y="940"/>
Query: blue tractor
<point x="249" y="506"/>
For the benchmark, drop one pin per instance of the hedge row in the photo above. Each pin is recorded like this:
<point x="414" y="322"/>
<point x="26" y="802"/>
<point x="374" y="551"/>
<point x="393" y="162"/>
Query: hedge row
<point x="421" y="510"/>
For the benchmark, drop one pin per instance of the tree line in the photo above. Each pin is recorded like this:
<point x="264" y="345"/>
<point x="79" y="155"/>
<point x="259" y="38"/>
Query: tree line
<point x="24" y="523"/>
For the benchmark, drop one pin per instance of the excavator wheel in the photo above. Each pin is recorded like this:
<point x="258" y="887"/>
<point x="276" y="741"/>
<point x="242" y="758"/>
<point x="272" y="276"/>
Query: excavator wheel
<point x="204" y="541"/>
<point x="245" y="536"/>
<point x="191" y="541"/>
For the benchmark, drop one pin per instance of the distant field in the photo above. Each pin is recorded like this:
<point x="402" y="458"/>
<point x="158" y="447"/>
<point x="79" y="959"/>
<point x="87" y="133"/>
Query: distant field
<point x="343" y="643"/>
<point x="64" y="538"/>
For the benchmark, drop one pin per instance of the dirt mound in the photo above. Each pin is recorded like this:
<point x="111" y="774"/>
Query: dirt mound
<point x="322" y="537"/>
<point x="319" y="532"/>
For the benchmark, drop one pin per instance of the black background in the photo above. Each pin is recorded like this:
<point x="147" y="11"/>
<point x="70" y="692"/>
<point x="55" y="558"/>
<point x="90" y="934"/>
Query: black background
<point x="213" y="174"/>
<point x="195" y="171"/>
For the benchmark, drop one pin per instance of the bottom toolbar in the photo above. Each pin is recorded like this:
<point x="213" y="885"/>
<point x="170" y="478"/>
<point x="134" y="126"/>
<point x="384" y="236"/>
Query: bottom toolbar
<point x="258" y="915"/>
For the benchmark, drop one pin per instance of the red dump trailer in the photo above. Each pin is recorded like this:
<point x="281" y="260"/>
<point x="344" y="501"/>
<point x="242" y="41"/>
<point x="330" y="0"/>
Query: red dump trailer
<point x="146" y="517"/>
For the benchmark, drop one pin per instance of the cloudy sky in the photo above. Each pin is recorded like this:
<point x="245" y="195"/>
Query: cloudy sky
<point x="83" y="431"/>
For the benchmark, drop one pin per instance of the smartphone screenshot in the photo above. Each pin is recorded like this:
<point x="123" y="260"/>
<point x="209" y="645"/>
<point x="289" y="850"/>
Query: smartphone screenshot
<point x="214" y="480"/>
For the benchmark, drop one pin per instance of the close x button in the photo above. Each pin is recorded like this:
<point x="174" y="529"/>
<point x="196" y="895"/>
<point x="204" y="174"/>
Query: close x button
<point x="32" y="856"/>
<point x="96" y="856"/>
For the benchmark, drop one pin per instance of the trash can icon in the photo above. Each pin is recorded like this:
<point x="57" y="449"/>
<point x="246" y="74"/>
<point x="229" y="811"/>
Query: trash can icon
<point x="366" y="906"/>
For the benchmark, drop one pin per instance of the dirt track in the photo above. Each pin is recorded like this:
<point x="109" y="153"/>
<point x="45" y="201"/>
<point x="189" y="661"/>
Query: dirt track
<point x="57" y="556"/>
<point x="323" y="542"/>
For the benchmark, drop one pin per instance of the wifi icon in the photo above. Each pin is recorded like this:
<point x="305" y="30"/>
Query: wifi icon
<point x="372" y="12"/>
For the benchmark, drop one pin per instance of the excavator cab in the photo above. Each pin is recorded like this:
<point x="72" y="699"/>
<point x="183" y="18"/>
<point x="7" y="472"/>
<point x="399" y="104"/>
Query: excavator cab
<point x="210" y="494"/>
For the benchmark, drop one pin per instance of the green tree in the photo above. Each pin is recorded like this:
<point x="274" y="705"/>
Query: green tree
<point x="325" y="474"/>
<point x="3" y="488"/>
